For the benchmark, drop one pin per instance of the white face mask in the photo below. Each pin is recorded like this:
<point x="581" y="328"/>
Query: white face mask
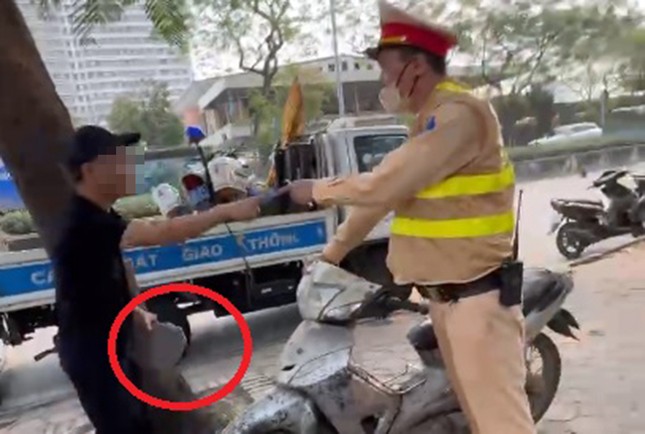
<point x="391" y="100"/>
<point x="390" y="97"/>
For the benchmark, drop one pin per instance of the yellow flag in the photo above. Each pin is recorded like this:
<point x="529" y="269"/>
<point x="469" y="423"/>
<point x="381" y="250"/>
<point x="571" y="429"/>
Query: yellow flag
<point x="293" y="122"/>
<point x="293" y="114"/>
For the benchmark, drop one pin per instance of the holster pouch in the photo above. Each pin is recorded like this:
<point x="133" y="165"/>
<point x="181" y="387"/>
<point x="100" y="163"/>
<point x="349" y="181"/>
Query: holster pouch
<point x="511" y="274"/>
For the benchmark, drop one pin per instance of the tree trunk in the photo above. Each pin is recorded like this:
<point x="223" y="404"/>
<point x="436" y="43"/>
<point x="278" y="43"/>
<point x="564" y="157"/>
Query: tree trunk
<point x="35" y="126"/>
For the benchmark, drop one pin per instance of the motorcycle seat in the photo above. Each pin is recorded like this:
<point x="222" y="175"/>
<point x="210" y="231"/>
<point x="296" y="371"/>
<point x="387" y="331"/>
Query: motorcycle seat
<point x="540" y="288"/>
<point x="582" y="203"/>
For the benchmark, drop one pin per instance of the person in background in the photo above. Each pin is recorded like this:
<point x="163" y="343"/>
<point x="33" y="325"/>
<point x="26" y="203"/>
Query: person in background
<point x="90" y="275"/>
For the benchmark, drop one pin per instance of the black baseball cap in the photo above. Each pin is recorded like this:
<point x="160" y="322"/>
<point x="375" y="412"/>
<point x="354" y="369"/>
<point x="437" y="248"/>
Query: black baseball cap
<point x="92" y="141"/>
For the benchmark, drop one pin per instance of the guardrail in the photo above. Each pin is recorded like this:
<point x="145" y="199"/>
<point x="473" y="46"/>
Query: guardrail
<point x="575" y="162"/>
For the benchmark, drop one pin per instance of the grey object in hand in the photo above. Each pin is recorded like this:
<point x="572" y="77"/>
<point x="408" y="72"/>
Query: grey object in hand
<point x="160" y="348"/>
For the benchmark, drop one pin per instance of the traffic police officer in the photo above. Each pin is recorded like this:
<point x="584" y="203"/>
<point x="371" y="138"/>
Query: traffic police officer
<point x="452" y="190"/>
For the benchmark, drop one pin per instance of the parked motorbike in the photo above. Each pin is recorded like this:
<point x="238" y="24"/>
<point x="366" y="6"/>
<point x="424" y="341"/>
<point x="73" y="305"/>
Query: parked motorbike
<point x="581" y="223"/>
<point x="339" y="374"/>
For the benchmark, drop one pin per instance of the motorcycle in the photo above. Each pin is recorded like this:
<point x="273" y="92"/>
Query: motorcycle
<point x="580" y="223"/>
<point x="332" y="377"/>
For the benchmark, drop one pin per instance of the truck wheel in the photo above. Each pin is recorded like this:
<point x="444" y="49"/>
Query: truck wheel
<point x="167" y="311"/>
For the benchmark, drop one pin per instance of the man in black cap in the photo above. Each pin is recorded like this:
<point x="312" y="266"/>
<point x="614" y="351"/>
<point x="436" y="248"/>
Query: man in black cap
<point x="91" y="282"/>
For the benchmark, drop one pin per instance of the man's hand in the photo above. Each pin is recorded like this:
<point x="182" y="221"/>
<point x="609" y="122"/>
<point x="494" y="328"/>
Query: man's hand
<point x="301" y="191"/>
<point x="241" y="210"/>
<point x="145" y="319"/>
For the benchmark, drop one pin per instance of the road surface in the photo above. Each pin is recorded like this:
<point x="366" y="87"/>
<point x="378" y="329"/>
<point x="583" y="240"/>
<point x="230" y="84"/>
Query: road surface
<point x="37" y="397"/>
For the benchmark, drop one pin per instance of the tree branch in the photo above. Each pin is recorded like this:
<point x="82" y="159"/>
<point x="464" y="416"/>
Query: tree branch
<point x="240" y="49"/>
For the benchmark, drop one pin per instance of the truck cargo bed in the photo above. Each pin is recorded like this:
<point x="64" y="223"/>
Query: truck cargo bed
<point x="26" y="278"/>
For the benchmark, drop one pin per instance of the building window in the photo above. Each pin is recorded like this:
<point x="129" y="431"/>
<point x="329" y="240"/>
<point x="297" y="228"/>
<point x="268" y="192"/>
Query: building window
<point x="331" y="67"/>
<point x="370" y="66"/>
<point x="357" y="66"/>
<point x="344" y="66"/>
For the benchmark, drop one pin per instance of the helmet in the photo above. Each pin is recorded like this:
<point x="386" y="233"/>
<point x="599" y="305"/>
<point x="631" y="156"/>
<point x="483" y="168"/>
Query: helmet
<point x="166" y="197"/>
<point x="230" y="178"/>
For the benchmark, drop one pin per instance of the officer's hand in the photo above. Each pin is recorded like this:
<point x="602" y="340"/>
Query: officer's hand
<point x="241" y="210"/>
<point x="301" y="191"/>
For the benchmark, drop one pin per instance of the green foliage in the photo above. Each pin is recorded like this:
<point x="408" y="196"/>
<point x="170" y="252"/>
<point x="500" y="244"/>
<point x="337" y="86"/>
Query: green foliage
<point x="632" y="68"/>
<point x="255" y="30"/>
<point x="17" y="223"/>
<point x="169" y="17"/>
<point x="316" y="93"/>
<point x="135" y="207"/>
<point x="534" y="42"/>
<point x="150" y="114"/>
<point x="142" y="206"/>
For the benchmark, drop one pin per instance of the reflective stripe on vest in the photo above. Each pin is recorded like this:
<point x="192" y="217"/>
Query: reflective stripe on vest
<point x="462" y="186"/>
<point x="455" y="228"/>
<point x="470" y="185"/>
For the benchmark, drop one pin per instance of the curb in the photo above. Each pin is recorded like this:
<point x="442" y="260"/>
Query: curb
<point x="598" y="256"/>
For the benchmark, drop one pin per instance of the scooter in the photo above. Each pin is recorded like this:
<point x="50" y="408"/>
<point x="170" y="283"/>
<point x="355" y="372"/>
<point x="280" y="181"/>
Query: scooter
<point x="339" y="373"/>
<point x="581" y="223"/>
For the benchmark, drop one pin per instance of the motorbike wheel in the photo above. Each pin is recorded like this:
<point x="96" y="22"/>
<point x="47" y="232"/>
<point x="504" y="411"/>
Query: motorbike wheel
<point x="568" y="244"/>
<point x="542" y="385"/>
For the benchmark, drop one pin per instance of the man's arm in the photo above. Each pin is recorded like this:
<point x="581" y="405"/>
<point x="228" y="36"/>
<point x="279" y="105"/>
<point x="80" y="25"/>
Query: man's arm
<point x="141" y="316"/>
<point x="179" y="229"/>
<point x="358" y="224"/>
<point x="426" y="159"/>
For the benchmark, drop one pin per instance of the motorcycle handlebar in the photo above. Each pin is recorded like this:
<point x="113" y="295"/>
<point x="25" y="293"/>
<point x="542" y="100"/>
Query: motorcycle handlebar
<point x="394" y="303"/>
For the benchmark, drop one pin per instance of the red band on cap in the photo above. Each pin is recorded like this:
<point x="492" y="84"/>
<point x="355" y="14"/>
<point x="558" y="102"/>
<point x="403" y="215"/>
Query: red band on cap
<point x="426" y="39"/>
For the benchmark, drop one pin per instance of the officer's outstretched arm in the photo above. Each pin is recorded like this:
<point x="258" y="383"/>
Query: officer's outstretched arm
<point x="425" y="159"/>
<point x="360" y="221"/>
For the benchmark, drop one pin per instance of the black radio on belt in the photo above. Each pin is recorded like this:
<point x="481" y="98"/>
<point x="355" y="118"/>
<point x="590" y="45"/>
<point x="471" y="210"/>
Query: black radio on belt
<point x="512" y="270"/>
<point x="511" y="276"/>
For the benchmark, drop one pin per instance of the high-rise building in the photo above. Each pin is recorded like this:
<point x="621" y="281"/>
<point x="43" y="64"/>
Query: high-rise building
<point x="120" y="59"/>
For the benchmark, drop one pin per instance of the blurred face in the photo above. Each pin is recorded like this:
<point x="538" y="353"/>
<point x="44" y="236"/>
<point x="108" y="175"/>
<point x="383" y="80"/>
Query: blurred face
<point x="112" y="175"/>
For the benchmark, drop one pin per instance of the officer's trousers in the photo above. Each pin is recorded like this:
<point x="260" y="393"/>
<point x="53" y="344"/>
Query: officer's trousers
<point x="482" y="344"/>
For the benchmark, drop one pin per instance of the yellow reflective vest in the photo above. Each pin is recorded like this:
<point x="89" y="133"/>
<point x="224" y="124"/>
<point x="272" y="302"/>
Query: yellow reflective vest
<point x="459" y="190"/>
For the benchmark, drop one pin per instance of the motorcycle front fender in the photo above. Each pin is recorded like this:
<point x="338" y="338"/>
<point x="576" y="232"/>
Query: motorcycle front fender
<point x="281" y="410"/>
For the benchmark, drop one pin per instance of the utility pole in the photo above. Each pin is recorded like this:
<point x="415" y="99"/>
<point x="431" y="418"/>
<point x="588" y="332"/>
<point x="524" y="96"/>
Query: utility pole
<point x="339" y="83"/>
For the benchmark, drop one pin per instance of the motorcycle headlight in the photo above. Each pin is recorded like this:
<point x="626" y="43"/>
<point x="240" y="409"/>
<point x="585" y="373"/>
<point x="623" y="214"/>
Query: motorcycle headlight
<point x="313" y="299"/>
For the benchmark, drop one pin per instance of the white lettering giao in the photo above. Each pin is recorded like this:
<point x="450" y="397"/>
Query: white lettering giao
<point x="204" y="252"/>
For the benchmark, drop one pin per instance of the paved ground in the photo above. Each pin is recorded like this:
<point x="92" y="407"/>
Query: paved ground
<point x="598" y="372"/>
<point x="604" y="380"/>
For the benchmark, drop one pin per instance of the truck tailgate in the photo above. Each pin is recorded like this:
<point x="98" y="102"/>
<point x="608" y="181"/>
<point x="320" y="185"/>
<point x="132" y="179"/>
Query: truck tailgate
<point x="26" y="278"/>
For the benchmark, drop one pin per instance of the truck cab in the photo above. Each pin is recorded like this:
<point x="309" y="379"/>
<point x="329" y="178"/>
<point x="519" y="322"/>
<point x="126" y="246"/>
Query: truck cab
<point x="346" y="146"/>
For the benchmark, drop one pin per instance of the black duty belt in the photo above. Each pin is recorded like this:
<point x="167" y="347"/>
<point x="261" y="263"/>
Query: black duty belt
<point x="451" y="292"/>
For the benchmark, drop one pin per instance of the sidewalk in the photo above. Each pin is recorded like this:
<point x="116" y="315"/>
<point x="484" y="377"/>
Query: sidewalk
<point x="603" y="378"/>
